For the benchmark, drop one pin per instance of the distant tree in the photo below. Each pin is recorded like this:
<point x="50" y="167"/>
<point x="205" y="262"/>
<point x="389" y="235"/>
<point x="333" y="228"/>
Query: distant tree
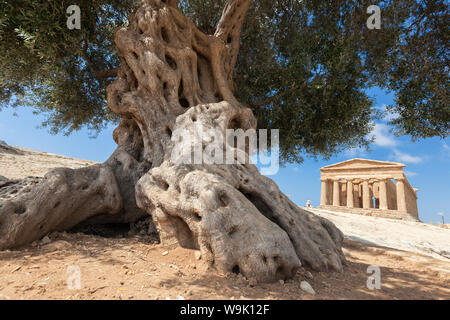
<point x="304" y="66"/>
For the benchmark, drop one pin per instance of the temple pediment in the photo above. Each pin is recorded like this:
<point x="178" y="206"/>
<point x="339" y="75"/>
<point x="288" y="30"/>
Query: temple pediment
<point x="363" y="164"/>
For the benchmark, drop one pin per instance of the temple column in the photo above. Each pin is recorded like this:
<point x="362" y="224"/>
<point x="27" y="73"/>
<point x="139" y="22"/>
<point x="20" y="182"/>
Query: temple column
<point x="356" y="198"/>
<point x="401" y="197"/>
<point x="336" y="193"/>
<point x="366" y="195"/>
<point x="371" y="194"/>
<point x="350" y="194"/>
<point x="323" y="193"/>
<point x="383" y="195"/>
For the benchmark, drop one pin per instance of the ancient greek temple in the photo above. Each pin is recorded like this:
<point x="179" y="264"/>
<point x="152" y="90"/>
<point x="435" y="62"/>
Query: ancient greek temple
<point x="369" y="187"/>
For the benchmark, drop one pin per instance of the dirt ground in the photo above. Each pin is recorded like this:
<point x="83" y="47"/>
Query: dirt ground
<point x="133" y="268"/>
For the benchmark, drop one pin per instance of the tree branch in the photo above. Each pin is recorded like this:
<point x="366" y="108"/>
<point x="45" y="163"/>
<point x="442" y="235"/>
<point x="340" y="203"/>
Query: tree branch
<point x="229" y="32"/>
<point x="99" y="74"/>
<point x="277" y="96"/>
<point x="103" y="74"/>
<point x="233" y="17"/>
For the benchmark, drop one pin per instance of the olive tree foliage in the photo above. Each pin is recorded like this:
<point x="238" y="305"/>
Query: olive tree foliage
<point x="61" y="72"/>
<point x="304" y="66"/>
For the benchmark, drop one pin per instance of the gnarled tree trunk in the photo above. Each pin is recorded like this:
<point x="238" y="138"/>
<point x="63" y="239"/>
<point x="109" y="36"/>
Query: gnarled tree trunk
<point x="174" y="77"/>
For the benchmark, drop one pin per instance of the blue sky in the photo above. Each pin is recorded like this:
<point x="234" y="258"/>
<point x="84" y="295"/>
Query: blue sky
<point x="427" y="161"/>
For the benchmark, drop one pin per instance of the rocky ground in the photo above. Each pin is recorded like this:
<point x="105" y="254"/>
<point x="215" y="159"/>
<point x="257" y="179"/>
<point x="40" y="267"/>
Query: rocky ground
<point x="412" y="257"/>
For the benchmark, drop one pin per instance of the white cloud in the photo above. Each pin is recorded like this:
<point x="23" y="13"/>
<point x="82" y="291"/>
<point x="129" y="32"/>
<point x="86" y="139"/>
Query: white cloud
<point x="404" y="157"/>
<point x="410" y="173"/>
<point x="383" y="137"/>
<point x="387" y="115"/>
<point x="446" y="149"/>
<point x="353" y="152"/>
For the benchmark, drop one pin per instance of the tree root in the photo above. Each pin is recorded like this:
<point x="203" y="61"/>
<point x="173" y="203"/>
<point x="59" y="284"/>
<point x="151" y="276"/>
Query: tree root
<point x="32" y="207"/>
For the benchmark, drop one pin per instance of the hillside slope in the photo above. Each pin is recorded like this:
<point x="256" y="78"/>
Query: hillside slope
<point x="18" y="163"/>
<point x="408" y="236"/>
